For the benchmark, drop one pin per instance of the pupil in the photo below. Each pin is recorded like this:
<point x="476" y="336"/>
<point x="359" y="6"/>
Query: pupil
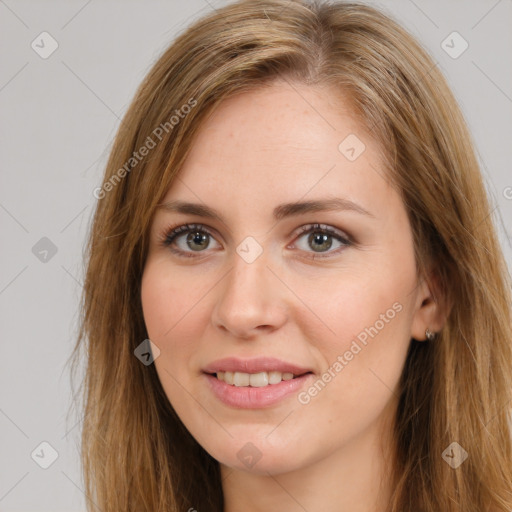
<point x="322" y="241"/>
<point x="197" y="238"/>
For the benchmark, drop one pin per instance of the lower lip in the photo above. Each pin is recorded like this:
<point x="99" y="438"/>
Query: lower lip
<point x="247" y="397"/>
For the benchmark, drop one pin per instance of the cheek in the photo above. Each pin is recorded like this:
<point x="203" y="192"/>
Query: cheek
<point x="363" y="361"/>
<point x="165" y="308"/>
<point x="365" y="305"/>
<point x="369" y="314"/>
<point x="173" y="309"/>
<point x="167" y="312"/>
<point x="155" y="302"/>
<point x="168" y="300"/>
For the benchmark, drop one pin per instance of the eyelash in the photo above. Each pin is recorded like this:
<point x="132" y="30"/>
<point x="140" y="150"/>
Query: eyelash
<point x="167" y="238"/>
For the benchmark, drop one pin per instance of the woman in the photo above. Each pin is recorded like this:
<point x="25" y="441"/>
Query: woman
<point x="293" y="214"/>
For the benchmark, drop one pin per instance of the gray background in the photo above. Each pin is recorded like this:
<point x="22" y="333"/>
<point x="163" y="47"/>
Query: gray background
<point x="58" y="119"/>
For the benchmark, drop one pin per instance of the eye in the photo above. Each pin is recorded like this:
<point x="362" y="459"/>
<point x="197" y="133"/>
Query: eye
<point x="187" y="239"/>
<point x="320" y="238"/>
<point x="197" y="239"/>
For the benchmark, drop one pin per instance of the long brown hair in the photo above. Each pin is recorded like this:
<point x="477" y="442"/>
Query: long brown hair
<point x="136" y="453"/>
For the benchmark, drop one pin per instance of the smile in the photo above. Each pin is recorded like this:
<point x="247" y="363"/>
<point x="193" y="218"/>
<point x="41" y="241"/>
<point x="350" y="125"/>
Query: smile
<point x="255" y="380"/>
<point x="259" y="392"/>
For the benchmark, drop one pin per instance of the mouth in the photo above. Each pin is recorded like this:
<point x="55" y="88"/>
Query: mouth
<point x="255" y="365"/>
<point x="260" y="396"/>
<point x="255" y="383"/>
<point x="255" y="380"/>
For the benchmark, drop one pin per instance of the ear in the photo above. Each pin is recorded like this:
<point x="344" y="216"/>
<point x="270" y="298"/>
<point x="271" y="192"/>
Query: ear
<point x="431" y="309"/>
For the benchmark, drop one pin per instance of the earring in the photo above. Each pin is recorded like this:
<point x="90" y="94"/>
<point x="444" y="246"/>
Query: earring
<point x="429" y="334"/>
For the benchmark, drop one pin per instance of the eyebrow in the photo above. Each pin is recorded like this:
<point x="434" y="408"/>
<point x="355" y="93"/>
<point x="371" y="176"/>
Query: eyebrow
<point x="280" y="212"/>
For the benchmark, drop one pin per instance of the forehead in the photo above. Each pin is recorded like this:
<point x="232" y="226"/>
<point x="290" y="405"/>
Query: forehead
<point x="277" y="144"/>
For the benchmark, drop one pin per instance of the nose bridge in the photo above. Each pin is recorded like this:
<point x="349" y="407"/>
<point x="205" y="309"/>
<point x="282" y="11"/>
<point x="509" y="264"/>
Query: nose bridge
<point x="250" y="296"/>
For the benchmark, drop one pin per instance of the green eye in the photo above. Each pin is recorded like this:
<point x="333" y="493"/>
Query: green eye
<point x="188" y="239"/>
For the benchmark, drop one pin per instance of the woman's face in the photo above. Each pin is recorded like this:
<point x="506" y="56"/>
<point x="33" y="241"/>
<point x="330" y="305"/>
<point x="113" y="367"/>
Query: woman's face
<point x="274" y="284"/>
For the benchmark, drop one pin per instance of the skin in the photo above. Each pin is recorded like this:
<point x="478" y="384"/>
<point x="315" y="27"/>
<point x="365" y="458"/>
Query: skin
<point x="258" y="150"/>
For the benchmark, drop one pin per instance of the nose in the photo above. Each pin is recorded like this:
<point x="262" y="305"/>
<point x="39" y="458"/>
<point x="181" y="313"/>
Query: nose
<point x="250" y="300"/>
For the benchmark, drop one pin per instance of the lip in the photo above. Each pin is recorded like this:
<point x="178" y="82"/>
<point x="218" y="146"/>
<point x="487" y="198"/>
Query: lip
<point x="255" y="398"/>
<point x="255" y="365"/>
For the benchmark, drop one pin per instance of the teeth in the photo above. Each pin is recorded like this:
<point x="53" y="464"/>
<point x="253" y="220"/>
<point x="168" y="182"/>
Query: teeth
<point x="274" y="377"/>
<point x="255" y="380"/>
<point x="241" y="379"/>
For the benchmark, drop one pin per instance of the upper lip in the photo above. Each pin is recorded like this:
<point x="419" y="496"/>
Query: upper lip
<point x="254" y="365"/>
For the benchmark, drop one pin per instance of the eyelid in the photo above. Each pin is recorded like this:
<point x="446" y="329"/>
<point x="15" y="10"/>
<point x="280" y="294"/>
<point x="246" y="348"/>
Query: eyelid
<point x="171" y="233"/>
<point x="341" y="236"/>
<point x="174" y="231"/>
<point x="331" y="230"/>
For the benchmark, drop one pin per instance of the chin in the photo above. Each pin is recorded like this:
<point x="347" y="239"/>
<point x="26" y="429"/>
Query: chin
<point x="258" y="456"/>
